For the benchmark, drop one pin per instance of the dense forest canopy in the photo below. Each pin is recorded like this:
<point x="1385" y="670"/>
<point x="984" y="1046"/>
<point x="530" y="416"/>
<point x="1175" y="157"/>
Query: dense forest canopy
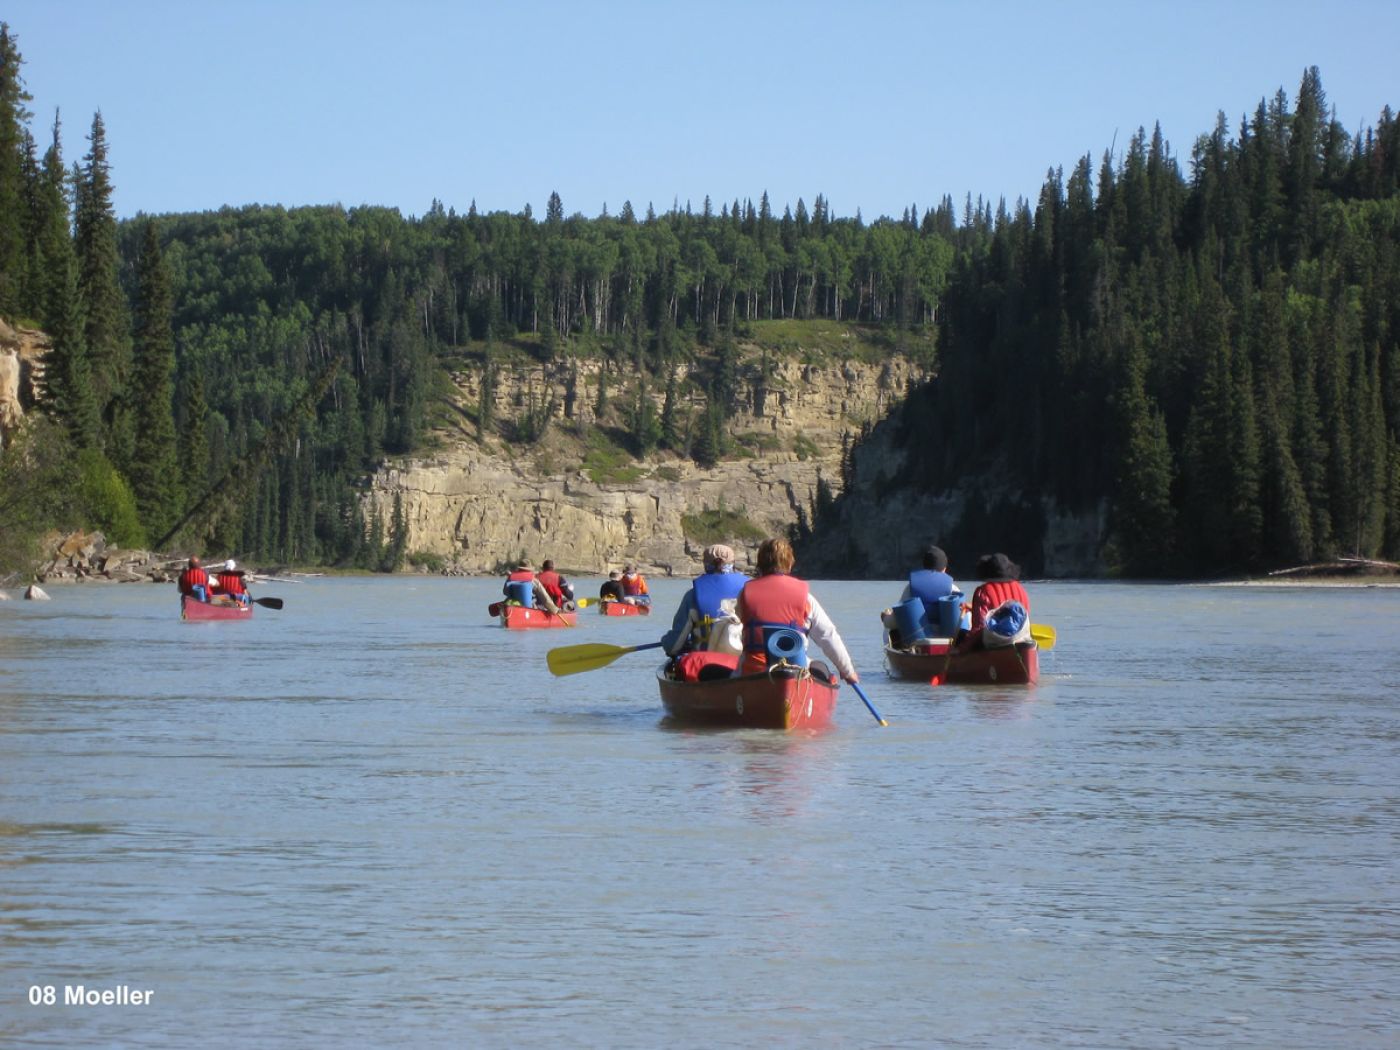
<point x="1211" y="353"/>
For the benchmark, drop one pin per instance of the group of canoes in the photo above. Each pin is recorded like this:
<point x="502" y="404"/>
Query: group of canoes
<point x="738" y="646"/>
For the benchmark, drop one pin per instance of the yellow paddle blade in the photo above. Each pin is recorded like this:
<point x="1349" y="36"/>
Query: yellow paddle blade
<point x="572" y="659"/>
<point x="584" y="603"/>
<point x="1044" y="635"/>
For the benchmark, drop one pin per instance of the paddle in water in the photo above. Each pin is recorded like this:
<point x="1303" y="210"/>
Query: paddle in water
<point x="1044" y="635"/>
<point x="268" y="603"/>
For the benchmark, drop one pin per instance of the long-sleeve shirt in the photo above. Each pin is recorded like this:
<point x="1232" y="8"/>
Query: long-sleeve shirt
<point x="821" y="630"/>
<point x="674" y="640"/>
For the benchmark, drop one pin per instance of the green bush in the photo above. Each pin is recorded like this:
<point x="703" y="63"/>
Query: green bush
<point x="427" y="561"/>
<point x="106" y="500"/>
<point x="718" y="525"/>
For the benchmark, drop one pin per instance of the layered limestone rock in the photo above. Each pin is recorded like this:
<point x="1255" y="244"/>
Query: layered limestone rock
<point x="477" y="506"/>
<point x="22" y="353"/>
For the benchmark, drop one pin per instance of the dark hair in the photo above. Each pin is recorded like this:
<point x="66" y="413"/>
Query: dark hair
<point x="548" y="565"/>
<point x="997" y="567"/>
<point x="935" y="559"/>
<point x="774" y="555"/>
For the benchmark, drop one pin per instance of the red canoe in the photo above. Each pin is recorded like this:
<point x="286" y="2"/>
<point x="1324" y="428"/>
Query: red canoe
<point x="1012" y="665"/>
<point x="623" y="609"/>
<point x="519" y="618"/>
<point x="786" y="697"/>
<point x="218" y="609"/>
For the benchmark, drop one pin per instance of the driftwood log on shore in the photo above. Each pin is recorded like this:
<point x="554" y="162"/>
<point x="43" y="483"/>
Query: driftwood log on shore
<point x="1342" y="567"/>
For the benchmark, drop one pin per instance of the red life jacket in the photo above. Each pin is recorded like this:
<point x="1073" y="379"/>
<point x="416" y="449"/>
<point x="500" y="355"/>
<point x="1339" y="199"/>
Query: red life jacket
<point x="192" y="578"/>
<point x="991" y="594"/>
<point x="231" y="583"/>
<point x="775" y="600"/>
<point x="633" y="585"/>
<point x="549" y="580"/>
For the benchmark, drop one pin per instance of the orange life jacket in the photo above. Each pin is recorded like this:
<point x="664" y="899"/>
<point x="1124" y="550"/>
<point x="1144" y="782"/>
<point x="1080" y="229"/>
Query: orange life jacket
<point x="634" y="585"/>
<point x="775" y="600"/>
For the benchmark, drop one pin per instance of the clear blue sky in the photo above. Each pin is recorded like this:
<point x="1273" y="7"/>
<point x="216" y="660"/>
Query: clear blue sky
<point x="875" y="105"/>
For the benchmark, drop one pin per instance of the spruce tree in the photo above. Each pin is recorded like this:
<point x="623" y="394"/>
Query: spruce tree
<point x="53" y="250"/>
<point x="68" y="375"/>
<point x="1144" y="524"/>
<point x="95" y="232"/>
<point x="397" y="546"/>
<point x="155" y="462"/>
<point x="194" y="438"/>
<point x="13" y="117"/>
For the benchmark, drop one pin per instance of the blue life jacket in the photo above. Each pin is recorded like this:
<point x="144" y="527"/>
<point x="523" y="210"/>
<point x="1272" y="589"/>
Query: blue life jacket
<point x="713" y="588"/>
<point x="929" y="585"/>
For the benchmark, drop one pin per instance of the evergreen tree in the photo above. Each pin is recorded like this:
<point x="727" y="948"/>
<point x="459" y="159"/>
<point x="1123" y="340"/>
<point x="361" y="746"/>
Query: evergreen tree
<point x="68" y="376"/>
<point x="398" y="537"/>
<point x="1143" y="516"/>
<point x="106" y="332"/>
<point x="155" y="463"/>
<point x="670" y="411"/>
<point x="53" y="237"/>
<point x="486" y="397"/>
<point x="194" y="437"/>
<point x="643" y="421"/>
<point x="13" y="117"/>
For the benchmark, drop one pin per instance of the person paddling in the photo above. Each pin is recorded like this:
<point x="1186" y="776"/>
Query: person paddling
<point x="194" y="581"/>
<point x="611" y="590"/>
<point x="931" y="584"/>
<point x="706" y="613"/>
<point x="558" y="588"/>
<point x="1002" y="586"/>
<point x="634" y="587"/>
<point x="777" y="600"/>
<point x="524" y="588"/>
<point x="230" y="583"/>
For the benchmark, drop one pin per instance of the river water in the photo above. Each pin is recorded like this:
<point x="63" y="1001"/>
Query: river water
<point x="374" y="818"/>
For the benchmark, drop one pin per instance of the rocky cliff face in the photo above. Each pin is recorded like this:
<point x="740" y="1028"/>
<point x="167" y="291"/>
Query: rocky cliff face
<point x="22" y="353"/>
<point x="478" y="506"/>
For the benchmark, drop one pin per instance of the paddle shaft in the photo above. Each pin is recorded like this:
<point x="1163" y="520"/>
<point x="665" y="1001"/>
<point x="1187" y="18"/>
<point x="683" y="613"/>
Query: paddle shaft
<point x="861" y="693"/>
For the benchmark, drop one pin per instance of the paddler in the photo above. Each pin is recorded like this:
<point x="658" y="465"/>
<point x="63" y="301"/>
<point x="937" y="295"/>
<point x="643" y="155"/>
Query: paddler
<point x="777" y="600"/>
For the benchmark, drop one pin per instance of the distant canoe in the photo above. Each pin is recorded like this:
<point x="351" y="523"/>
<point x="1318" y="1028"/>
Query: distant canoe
<point x="1012" y="665"/>
<point x="219" y="609"/>
<point x="623" y="609"/>
<point x="519" y="618"/>
<point x="786" y="698"/>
